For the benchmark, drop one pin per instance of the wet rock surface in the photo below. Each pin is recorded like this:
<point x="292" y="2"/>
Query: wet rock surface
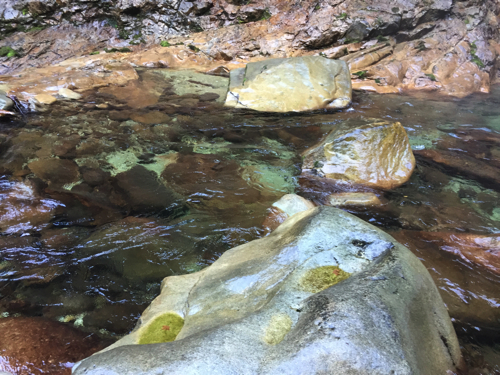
<point x="373" y="153"/>
<point x="287" y="329"/>
<point x="459" y="274"/>
<point x="39" y="346"/>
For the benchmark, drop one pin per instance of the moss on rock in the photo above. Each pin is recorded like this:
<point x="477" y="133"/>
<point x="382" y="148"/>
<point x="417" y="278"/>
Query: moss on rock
<point x="279" y="326"/>
<point x="7" y="51"/>
<point x="163" y="328"/>
<point x="320" y="278"/>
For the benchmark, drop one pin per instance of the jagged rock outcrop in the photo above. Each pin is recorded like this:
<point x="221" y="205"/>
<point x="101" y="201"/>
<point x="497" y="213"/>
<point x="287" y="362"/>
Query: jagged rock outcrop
<point x="391" y="46"/>
<point x="324" y="293"/>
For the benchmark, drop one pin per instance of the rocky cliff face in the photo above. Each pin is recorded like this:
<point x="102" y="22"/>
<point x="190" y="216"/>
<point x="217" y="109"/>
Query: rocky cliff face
<point x="130" y="17"/>
<point x="443" y="45"/>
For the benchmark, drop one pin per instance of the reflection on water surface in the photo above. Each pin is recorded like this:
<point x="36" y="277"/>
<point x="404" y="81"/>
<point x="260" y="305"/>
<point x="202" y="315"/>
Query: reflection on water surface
<point x="101" y="199"/>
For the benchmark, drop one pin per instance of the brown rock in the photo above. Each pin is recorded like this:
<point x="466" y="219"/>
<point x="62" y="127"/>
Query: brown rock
<point x="375" y="154"/>
<point x="285" y="207"/>
<point x="151" y="118"/>
<point x="94" y="176"/>
<point x="210" y="181"/>
<point x="45" y="98"/>
<point x="22" y="209"/>
<point x="209" y="96"/>
<point x="273" y="219"/>
<point x="33" y="346"/>
<point x="55" y="171"/>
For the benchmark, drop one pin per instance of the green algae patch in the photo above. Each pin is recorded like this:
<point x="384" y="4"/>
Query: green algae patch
<point x="163" y="328"/>
<point x="279" y="326"/>
<point x="320" y="278"/>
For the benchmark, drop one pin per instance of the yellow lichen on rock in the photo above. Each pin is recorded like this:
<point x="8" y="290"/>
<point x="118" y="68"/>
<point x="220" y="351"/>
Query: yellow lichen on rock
<point x="279" y="326"/>
<point x="163" y="328"/>
<point x="321" y="278"/>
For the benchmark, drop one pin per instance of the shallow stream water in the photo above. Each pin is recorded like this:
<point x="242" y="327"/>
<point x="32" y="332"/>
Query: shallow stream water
<point x="101" y="198"/>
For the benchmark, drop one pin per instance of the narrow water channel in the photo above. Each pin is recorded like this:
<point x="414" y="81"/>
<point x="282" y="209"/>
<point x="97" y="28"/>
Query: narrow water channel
<point x="102" y="198"/>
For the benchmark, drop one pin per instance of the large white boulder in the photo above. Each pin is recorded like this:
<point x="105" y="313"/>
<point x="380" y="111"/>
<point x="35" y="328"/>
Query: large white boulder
<point x="325" y="293"/>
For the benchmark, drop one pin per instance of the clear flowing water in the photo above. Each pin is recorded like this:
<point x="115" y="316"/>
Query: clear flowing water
<point x="101" y="199"/>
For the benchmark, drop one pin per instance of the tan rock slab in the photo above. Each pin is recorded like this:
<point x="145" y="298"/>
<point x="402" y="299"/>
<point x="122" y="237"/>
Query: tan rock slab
<point x="291" y="85"/>
<point x="69" y="94"/>
<point x="354" y="199"/>
<point x="45" y="98"/>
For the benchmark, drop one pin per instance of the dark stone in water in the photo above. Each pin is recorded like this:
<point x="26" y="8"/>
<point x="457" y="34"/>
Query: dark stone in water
<point x="94" y="176"/>
<point x="209" y="96"/>
<point x="119" y="115"/>
<point x="465" y="165"/>
<point x="144" y="191"/>
<point x="55" y="171"/>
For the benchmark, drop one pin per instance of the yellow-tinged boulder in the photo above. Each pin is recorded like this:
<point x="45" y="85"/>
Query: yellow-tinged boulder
<point x="291" y="85"/>
<point x="373" y="153"/>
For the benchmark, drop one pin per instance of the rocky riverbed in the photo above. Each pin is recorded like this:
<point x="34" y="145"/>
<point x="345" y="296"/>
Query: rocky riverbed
<point x="120" y="165"/>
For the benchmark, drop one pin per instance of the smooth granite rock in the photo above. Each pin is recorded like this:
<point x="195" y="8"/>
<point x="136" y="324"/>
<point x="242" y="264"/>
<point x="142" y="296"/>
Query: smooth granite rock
<point x="372" y="153"/>
<point x="269" y="307"/>
<point x="291" y="85"/>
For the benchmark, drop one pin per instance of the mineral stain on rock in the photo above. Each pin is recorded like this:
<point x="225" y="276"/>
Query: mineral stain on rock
<point x="164" y="328"/>
<point x="321" y="278"/>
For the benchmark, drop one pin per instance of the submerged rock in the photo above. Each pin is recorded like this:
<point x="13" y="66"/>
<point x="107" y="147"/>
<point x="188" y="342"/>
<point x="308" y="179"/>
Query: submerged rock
<point x="374" y="153"/>
<point x="55" y="171"/>
<point x="138" y="249"/>
<point x="22" y="209"/>
<point x="324" y="293"/>
<point x="33" y="346"/>
<point x="464" y="164"/>
<point x="469" y="291"/>
<point x="290" y="85"/>
<point x="144" y="191"/>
